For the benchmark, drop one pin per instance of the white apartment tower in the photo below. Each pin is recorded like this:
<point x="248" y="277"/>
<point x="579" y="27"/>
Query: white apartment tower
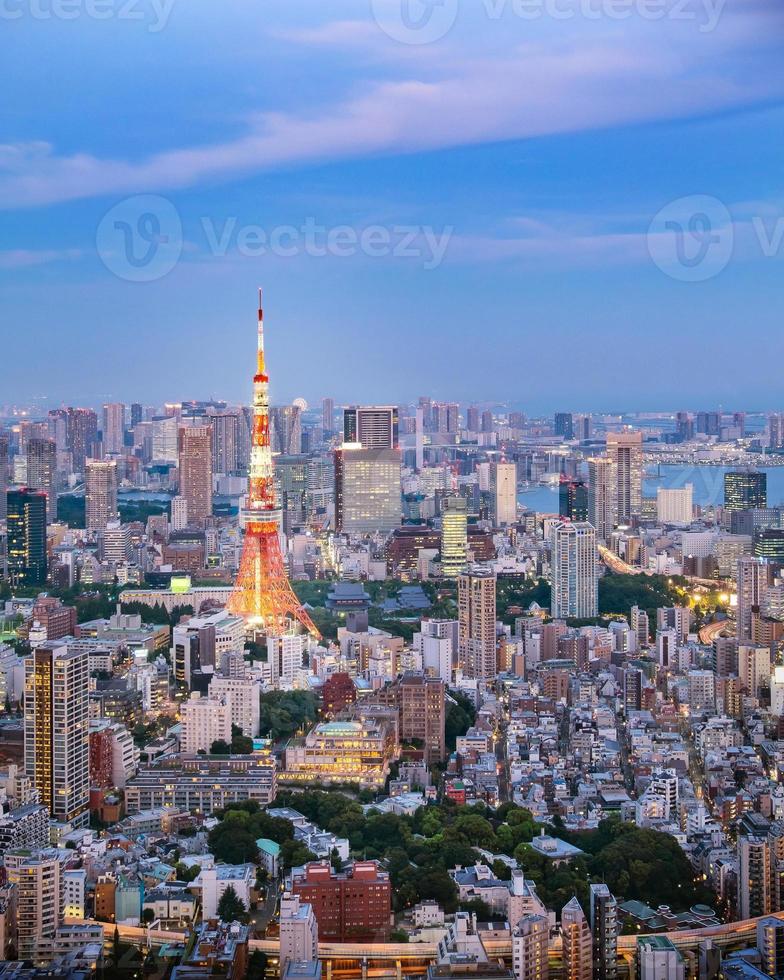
<point x="574" y="572"/>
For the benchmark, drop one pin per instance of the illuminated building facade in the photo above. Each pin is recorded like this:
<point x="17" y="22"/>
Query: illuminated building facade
<point x="56" y="728"/>
<point x="342" y="751"/>
<point x="26" y="527"/>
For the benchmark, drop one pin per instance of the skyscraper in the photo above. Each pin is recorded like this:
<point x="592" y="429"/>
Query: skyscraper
<point x="114" y="428"/>
<point x="328" y="416"/>
<point x="82" y="434"/>
<point x="573" y="500"/>
<point x="574" y="572"/>
<point x="745" y="490"/>
<point x="504" y="485"/>
<point x="472" y="419"/>
<point x="42" y="472"/>
<point x="604" y="928"/>
<point x="577" y="943"/>
<point x="286" y="429"/>
<point x="563" y="425"/>
<point x="675" y="506"/>
<point x="454" y="536"/>
<point x="371" y="426"/>
<point x="753" y="579"/>
<point x="367" y="490"/>
<point x="56" y="728"/>
<point x="601" y="496"/>
<point x="196" y="471"/>
<point x="3" y="475"/>
<point x="225" y="443"/>
<point x="26" y="537"/>
<point x="137" y="414"/>
<point x="477" y="614"/>
<point x="624" y="450"/>
<point x="100" y="494"/>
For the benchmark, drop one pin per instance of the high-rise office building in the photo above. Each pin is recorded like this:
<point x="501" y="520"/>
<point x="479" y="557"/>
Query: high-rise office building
<point x="472" y="419"/>
<point x="165" y="431"/>
<point x="100" y="495"/>
<point x="42" y="472"/>
<point x="286" y="429"/>
<point x="225" y="443"/>
<point x="769" y="544"/>
<point x="708" y="423"/>
<point x="26" y="537"/>
<point x="745" y="490"/>
<point x="675" y="506"/>
<point x="573" y="500"/>
<point x="114" y="429"/>
<point x="476" y="600"/>
<point x="82" y="435"/>
<point x="137" y="414"/>
<point x="601" y="496"/>
<point x="753" y="578"/>
<point x="454" y="536"/>
<point x="684" y="427"/>
<point x="422" y="709"/>
<point x="624" y="450"/>
<point x="56" y="728"/>
<point x="367" y="490"/>
<point x="563" y="425"/>
<point x="3" y="475"/>
<point x="574" y="571"/>
<point x="504" y="488"/>
<point x="196" y="471"/>
<point x="604" y="930"/>
<point x="487" y="421"/>
<point x="776" y="431"/>
<point x="371" y="426"/>
<point x="577" y="943"/>
<point x="328" y="416"/>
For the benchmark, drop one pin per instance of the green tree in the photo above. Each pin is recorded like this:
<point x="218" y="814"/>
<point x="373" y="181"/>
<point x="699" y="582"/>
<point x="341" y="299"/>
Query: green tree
<point x="231" y="908"/>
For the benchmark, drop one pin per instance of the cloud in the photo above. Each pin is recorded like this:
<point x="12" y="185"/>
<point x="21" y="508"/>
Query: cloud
<point x="610" y="75"/>
<point x="24" y="259"/>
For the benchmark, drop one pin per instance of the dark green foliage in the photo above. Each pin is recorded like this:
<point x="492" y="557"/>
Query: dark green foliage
<point x="459" y="717"/>
<point x="242" y="824"/>
<point x="231" y="908"/>
<point x="285" y="712"/>
<point x="481" y="909"/>
<point x="511" y="592"/>
<point x="71" y="510"/>
<point x="618" y="593"/>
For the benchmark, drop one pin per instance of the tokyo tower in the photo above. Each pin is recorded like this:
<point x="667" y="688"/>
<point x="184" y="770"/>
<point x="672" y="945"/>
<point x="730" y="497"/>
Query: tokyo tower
<point x="262" y="594"/>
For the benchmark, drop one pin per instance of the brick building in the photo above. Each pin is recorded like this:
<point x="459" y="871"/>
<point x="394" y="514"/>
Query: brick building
<point x="337" y="693"/>
<point x="420" y="701"/>
<point x="350" y="906"/>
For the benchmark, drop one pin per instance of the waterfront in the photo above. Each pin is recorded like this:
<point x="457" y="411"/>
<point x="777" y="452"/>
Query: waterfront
<point x="708" y="483"/>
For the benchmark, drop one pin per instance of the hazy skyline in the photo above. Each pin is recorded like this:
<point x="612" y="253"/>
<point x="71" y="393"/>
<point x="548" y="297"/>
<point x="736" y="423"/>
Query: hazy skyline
<point x="529" y="158"/>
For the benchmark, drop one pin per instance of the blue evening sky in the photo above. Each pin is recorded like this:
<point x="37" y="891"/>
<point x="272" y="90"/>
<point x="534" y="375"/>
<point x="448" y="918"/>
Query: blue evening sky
<point x="521" y="155"/>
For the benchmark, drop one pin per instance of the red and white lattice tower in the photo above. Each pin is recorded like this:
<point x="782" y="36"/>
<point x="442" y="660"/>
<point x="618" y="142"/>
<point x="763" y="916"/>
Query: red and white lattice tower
<point x="262" y="593"/>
